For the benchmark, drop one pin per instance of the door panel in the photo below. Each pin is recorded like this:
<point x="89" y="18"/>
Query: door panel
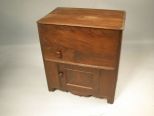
<point x="79" y="80"/>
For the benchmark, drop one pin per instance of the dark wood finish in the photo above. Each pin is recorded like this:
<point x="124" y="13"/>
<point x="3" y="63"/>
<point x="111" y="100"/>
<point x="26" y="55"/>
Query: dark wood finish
<point x="81" y="50"/>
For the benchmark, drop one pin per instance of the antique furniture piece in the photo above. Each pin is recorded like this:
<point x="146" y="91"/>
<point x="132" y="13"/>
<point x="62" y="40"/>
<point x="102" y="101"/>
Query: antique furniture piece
<point x="81" y="50"/>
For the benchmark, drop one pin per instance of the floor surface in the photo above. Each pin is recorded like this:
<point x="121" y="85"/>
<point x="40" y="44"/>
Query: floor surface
<point x="23" y="87"/>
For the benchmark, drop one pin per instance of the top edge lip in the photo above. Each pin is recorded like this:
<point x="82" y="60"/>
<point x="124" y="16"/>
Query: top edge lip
<point x="86" y="26"/>
<point x="88" y="8"/>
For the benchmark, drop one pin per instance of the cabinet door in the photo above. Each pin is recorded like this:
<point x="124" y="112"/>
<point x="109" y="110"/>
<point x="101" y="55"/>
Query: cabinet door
<point x="79" y="80"/>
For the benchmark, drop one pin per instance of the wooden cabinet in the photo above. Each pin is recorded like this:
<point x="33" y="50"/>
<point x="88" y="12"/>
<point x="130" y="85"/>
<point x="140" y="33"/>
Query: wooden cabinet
<point x="81" y="50"/>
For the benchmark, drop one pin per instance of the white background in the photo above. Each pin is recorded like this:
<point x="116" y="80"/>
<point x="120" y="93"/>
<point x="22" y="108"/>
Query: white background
<point x="23" y="88"/>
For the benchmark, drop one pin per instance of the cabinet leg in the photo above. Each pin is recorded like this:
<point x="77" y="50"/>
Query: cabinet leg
<point x="110" y="100"/>
<point x="52" y="89"/>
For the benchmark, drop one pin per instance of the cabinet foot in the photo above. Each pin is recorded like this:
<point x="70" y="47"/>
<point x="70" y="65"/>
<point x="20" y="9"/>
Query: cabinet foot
<point x="52" y="89"/>
<point x="110" y="100"/>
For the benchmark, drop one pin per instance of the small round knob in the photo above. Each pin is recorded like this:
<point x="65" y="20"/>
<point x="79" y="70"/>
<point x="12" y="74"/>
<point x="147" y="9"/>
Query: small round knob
<point x="59" y="54"/>
<point x="60" y="74"/>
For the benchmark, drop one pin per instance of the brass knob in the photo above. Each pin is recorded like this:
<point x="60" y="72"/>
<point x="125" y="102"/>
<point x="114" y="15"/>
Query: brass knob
<point x="59" y="54"/>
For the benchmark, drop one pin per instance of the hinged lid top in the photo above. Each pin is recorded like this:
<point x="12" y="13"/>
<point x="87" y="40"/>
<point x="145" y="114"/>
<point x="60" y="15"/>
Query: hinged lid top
<point x="95" y="18"/>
